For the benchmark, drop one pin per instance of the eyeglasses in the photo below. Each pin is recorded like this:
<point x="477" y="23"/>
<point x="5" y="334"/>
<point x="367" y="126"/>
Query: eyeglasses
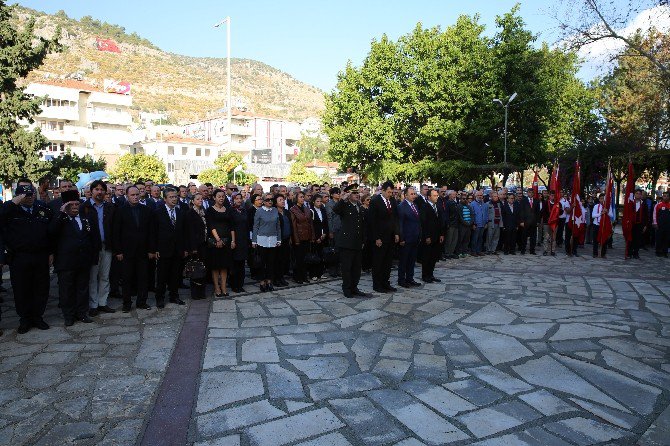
<point x="268" y="199"/>
<point x="234" y="189"/>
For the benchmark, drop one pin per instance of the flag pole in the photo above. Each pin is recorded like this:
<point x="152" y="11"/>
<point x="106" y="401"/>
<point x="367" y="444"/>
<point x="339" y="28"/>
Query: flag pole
<point x="609" y="174"/>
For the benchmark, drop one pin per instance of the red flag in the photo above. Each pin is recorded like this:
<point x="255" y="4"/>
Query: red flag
<point x="605" y="231"/>
<point x="536" y="191"/>
<point x="107" y="45"/>
<point x="555" y="185"/>
<point x="577" y="223"/>
<point x="629" y="207"/>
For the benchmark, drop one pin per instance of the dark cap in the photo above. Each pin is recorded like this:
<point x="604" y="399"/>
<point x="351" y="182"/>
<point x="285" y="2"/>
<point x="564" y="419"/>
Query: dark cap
<point x="352" y="188"/>
<point x="69" y="195"/>
<point x="27" y="189"/>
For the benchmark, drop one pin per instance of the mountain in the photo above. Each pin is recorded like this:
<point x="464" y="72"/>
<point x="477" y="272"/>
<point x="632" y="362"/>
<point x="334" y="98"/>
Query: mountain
<point x="188" y="88"/>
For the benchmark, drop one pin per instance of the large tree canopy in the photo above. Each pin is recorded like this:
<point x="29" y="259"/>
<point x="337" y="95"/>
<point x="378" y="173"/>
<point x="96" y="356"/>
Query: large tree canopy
<point x="421" y="108"/>
<point x="139" y="167"/>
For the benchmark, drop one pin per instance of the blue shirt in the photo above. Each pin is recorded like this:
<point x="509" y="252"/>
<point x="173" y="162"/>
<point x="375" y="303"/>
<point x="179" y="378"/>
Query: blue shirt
<point x="481" y="211"/>
<point x="100" y="209"/>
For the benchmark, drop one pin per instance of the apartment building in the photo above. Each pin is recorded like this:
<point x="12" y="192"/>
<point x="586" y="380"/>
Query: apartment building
<point x="82" y="118"/>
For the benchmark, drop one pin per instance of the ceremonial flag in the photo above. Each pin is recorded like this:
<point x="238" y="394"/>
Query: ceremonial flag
<point x="107" y="45"/>
<point x="577" y="223"/>
<point x="536" y="186"/>
<point x="555" y="185"/>
<point x="605" y="231"/>
<point x="629" y="207"/>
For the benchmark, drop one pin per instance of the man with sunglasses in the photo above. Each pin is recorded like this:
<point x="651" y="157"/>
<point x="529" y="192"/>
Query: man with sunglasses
<point x="231" y="189"/>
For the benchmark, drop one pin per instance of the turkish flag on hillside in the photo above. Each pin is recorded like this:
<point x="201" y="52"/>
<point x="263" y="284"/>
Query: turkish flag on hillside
<point x="605" y="231"/>
<point x="577" y="223"/>
<point x="107" y="45"/>
<point x="555" y="185"/>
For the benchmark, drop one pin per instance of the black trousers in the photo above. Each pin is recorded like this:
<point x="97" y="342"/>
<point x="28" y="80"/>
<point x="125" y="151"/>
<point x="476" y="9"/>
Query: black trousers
<point x="596" y="245"/>
<point x="300" y="269"/>
<point x="282" y="262"/>
<point x="169" y="276"/>
<point x="528" y="232"/>
<point x="366" y="262"/>
<point x="134" y="275"/>
<point x="431" y="253"/>
<point x="382" y="260"/>
<point x="30" y="284"/>
<point x="350" y="261"/>
<point x="317" y="269"/>
<point x="636" y="241"/>
<point x="115" y="278"/>
<point x="570" y="243"/>
<point x="510" y="240"/>
<point x="559" y="231"/>
<point x="662" y="238"/>
<point x="408" y="254"/>
<point x="151" y="274"/>
<point x="266" y="271"/>
<point x="237" y="274"/>
<point x="73" y="292"/>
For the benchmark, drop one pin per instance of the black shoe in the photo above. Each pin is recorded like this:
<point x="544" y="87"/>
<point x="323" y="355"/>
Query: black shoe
<point x="523" y="253"/>
<point x="403" y="284"/>
<point x="24" y="327"/>
<point x="106" y="309"/>
<point x="427" y="279"/>
<point x="69" y="322"/>
<point x="177" y="301"/>
<point x="380" y="290"/>
<point x="348" y="294"/>
<point x="360" y="293"/>
<point x="263" y="288"/>
<point x="160" y="303"/>
<point x="435" y="279"/>
<point x="391" y="289"/>
<point x="126" y="309"/>
<point x="512" y="253"/>
<point x="142" y="307"/>
<point x="269" y="287"/>
<point x="41" y="325"/>
<point x="553" y="254"/>
<point x="545" y="253"/>
<point x="277" y="283"/>
<point x="532" y="253"/>
<point x="85" y="319"/>
<point x="93" y="312"/>
<point x="242" y="290"/>
<point x="414" y="283"/>
<point x="225" y="295"/>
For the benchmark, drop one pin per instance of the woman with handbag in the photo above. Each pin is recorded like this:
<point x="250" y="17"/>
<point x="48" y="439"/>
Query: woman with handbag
<point x="284" y="250"/>
<point x="197" y="246"/>
<point x="266" y="237"/>
<point x="221" y="240"/>
<point x="303" y="235"/>
<point x="320" y="222"/>
<point x="241" y="251"/>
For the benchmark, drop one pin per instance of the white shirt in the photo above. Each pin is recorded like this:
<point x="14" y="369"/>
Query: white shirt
<point x="566" y="206"/>
<point x="597" y="209"/>
<point x="637" y="206"/>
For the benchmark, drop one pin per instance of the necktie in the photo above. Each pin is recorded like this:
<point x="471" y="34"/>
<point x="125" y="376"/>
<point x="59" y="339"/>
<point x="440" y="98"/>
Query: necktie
<point x="413" y="209"/>
<point x="435" y="209"/>
<point x="531" y="202"/>
<point x="173" y="219"/>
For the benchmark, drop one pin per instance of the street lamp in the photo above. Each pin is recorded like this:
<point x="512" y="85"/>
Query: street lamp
<point x="229" y="118"/>
<point x="505" y="106"/>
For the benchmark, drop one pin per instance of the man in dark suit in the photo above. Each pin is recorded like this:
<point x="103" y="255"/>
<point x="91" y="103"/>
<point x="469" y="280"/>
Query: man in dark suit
<point x="530" y="211"/>
<point x="512" y="218"/>
<point x="383" y="223"/>
<point x="131" y="246"/>
<point x="184" y="201"/>
<point x="432" y="236"/>
<point x="57" y="203"/>
<point x="169" y="246"/>
<point x="640" y="226"/>
<point x="350" y="244"/>
<point x="75" y="252"/>
<point x="409" y="224"/>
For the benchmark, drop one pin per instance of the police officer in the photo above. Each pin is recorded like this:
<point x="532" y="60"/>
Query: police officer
<point x="350" y="240"/>
<point x="24" y="224"/>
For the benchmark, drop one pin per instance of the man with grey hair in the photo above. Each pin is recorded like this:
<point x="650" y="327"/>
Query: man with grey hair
<point x="495" y="224"/>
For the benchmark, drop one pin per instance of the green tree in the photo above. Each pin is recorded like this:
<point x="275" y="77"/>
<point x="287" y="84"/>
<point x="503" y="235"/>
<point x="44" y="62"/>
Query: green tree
<point x="69" y="165"/>
<point x="299" y="174"/>
<point x="136" y="167"/>
<point x="223" y="172"/>
<point x="21" y="51"/>
<point x="312" y="147"/>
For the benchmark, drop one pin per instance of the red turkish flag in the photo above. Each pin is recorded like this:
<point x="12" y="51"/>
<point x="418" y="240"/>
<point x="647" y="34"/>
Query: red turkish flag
<point x="107" y="45"/>
<point x="555" y="185"/>
<point x="629" y="207"/>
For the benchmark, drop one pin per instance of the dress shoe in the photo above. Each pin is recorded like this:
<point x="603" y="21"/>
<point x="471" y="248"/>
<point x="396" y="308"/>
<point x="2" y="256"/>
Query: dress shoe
<point x="41" y="325"/>
<point x="348" y="294"/>
<point x="106" y="309"/>
<point x="177" y="301"/>
<point x="277" y="284"/>
<point x="143" y="307"/>
<point x="391" y="289"/>
<point x="413" y="283"/>
<point x="242" y="290"/>
<point x="85" y="319"/>
<point x="263" y="288"/>
<point x="435" y="279"/>
<point x="270" y="287"/>
<point x="427" y="279"/>
<point x="545" y="253"/>
<point x="360" y="293"/>
<point x="24" y="327"/>
<point x="93" y="312"/>
<point x="126" y="309"/>
<point x="69" y="322"/>
<point x="403" y="284"/>
<point x="380" y="290"/>
<point x="160" y="303"/>
<point x="532" y="253"/>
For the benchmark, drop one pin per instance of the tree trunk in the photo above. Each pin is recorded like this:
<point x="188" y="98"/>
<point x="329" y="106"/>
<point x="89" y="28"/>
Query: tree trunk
<point x="504" y="178"/>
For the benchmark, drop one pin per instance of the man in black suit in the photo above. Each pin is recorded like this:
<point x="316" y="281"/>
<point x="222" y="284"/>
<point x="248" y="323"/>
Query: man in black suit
<point x="132" y="246"/>
<point x="169" y="246"/>
<point x="409" y="229"/>
<point x="383" y="223"/>
<point x="432" y="236"/>
<point x="512" y="218"/>
<point x="530" y="211"/>
<point x="183" y="198"/>
<point x="119" y="197"/>
<point x="57" y="203"/>
<point x="350" y="244"/>
<point x="75" y="252"/>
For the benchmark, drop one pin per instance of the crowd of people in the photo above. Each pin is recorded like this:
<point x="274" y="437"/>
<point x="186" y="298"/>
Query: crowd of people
<point x="127" y="240"/>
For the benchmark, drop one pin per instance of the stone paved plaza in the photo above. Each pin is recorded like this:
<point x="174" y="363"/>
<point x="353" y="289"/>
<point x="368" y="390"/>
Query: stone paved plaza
<point x="507" y="350"/>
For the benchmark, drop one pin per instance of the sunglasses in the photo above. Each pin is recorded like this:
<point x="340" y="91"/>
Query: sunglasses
<point x="268" y="199"/>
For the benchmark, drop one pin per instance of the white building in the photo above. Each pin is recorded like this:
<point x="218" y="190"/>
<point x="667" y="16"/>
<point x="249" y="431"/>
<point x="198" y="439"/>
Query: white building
<point x="260" y="140"/>
<point x="82" y="118"/>
<point x="184" y="157"/>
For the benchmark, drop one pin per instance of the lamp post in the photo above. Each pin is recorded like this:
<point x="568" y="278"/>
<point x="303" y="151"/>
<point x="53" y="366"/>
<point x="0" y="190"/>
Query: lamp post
<point x="229" y="105"/>
<point x="505" y="106"/>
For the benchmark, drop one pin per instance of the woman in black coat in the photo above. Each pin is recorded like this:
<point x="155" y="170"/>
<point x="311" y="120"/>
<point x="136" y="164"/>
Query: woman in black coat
<point x="240" y="225"/>
<point x="256" y="202"/>
<point x="197" y="241"/>
<point x="320" y="222"/>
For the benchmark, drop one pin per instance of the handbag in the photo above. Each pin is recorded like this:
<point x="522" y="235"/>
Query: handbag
<point x="312" y="258"/>
<point x="330" y="255"/>
<point x="194" y="269"/>
<point x="256" y="259"/>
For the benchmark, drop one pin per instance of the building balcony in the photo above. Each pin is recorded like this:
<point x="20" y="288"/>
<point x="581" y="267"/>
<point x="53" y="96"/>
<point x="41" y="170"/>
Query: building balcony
<point x="60" y="113"/>
<point x="67" y="135"/>
<point x="242" y="130"/>
<point x="110" y="118"/>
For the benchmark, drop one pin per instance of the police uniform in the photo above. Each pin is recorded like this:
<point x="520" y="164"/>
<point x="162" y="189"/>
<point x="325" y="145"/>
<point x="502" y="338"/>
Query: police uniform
<point x="25" y="238"/>
<point x="350" y="243"/>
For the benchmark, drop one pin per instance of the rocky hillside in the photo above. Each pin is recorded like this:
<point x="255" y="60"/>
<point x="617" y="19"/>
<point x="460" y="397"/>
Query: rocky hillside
<point x="187" y="88"/>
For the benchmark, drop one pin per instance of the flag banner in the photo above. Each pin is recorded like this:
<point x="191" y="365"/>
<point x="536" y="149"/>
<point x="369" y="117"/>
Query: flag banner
<point x="112" y="86"/>
<point x="577" y="222"/>
<point x="107" y="45"/>
<point x="605" y="231"/>
<point x="536" y="185"/>
<point x="629" y="207"/>
<point x="555" y="185"/>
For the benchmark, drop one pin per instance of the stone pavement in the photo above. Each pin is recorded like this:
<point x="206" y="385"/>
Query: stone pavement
<point x="507" y="350"/>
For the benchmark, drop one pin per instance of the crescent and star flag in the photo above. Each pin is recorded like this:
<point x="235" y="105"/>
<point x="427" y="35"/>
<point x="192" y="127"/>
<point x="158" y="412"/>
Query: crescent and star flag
<point x="605" y="231"/>
<point x="536" y="186"/>
<point x="107" y="45"/>
<point x="555" y="185"/>
<point x="629" y="207"/>
<point x="577" y="222"/>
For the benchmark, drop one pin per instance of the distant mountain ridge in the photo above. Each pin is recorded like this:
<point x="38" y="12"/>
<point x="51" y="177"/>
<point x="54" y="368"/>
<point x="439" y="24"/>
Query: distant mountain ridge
<point x="188" y="88"/>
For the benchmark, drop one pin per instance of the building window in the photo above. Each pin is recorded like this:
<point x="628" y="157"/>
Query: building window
<point x="198" y="151"/>
<point x="170" y="150"/>
<point x="170" y="167"/>
<point x="184" y="151"/>
<point x="207" y="152"/>
<point x="55" y="147"/>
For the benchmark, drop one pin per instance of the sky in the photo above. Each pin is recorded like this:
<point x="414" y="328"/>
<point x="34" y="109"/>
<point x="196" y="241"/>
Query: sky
<point x="310" y="40"/>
